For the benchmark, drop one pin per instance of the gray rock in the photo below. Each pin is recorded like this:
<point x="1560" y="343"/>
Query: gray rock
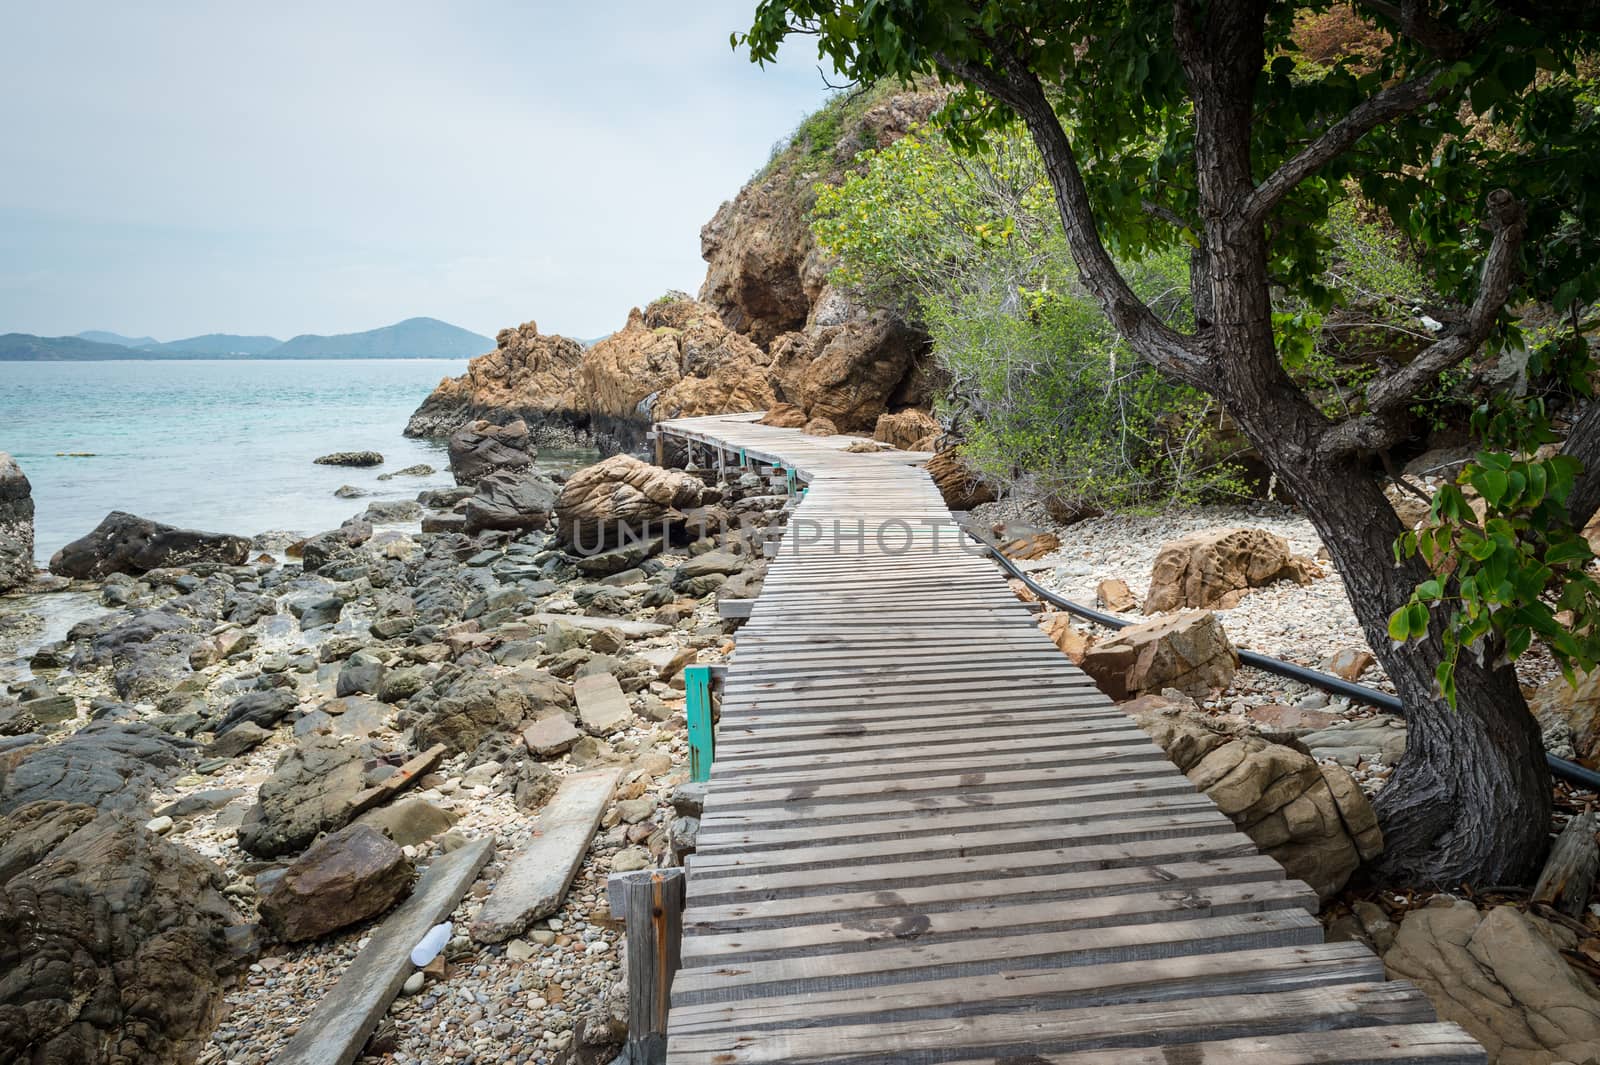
<point x="511" y="500"/>
<point x="421" y="469"/>
<point x="1376" y="739"/>
<point x="349" y="876"/>
<point x="312" y="790"/>
<point x="108" y="765"/>
<point x="350" y="458"/>
<point x="409" y="822"/>
<point x="317" y="613"/>
<point x="482" y="448"/>
<point x="390" y="511"/>
<point x="602" y="708"/>
<point x="125" y="543"/>
<point x="200" y="802"/>
<point x="561" y="635"/>
<point x="262" y="708"/>
<point x="16" y="525"/>
<point x="242" y="737"/>
<point x="349" y="491"/>
<point x="550" y="737"/>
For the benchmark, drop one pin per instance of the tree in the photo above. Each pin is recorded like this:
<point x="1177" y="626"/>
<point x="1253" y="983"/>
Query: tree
<point x="1192" y="123"/>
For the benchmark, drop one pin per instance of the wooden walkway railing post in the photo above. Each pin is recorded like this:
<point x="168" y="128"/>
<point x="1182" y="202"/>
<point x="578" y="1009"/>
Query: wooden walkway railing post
<point x="650" y="903"/>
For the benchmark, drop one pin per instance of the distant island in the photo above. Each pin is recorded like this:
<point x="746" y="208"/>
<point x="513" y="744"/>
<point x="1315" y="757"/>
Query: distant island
<point x="425" y="338"/>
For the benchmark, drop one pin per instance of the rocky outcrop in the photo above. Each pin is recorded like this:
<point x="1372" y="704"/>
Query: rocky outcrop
<point x="908" y="430"/>
<point x="482" y="448"/>
<point x="350" y="458"/>
<point x="466" y="709"/>
<point x="105" y="765"/>
<point x="1500" y="975"/>
<point x="355" y="873"/>
<point x="1188" y="651"/>
<point x="1313" y="819"/>
<point x="16" y="525"/>
<point x="530" y="376"/>
<point x="1569" y="717"/>
<point x="125" y="543"/>
<point x="602" y="505"/>
<point x="847" y="372"/>
<point x="1216" y="568"/>
<point x="511" y="499"/>
<point x="312" y="790"/>
<point x="114" y="943"/>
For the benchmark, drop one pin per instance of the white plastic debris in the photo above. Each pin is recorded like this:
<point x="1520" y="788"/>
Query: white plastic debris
<point x="430" y="945"/>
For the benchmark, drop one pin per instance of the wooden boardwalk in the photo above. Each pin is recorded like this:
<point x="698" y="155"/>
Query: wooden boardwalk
<point x="929" y="838"/>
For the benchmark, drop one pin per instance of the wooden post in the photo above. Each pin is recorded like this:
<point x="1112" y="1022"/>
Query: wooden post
<point x="650" y="903"/>
<point x="697" y="709"/>
<point x="661" y="449"/>
<point x="1569" y="872"/>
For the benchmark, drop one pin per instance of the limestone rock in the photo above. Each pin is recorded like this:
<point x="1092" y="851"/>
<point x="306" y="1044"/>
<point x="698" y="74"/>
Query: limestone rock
<point x="1349" y="663"/>
<point x="114" y="942"/>
<point x="1499" y="974"/>
<point x="908" y="430"/>
<point x="482" y="448"/>
<point x="961" y="486"/>
<point x="476" y="705"/>
<point x="16" y="525"/>
<point x="409" y="822"/>
<point x="601" y="504"/>
<point x="1216" y="568"/>
<point x="355" y="873"/>
<point x="1187" y="651"/>
<point x="124" y="543"/>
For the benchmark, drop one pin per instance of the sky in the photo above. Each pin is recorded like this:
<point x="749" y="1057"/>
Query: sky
<point x="189" y="166"/>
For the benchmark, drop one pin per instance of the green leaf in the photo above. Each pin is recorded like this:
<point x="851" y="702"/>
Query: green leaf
<point x="1400" y="625"/>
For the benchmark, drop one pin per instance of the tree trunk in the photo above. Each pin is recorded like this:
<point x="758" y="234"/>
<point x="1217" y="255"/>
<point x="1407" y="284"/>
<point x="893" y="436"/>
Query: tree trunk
<point x="1470" y="800"/>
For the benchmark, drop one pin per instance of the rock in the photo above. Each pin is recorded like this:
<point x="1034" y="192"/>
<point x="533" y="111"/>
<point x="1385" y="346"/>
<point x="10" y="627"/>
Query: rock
<point x="536" y="879"/>
<point x="1572" y="711"/>
<point x="1381" y="738"/>
<point x="784" y="416"/>
<point x="551" y="737"/>
<point x="1022" y="542"/>
<point x="848" y="372"/>
<point x="1217" y="568"/>
<point x="199" y="802"/>
<point x="16" y="525"/>
<point x="324" y="548"/>
<point x="413" y="984"/>
<point x="477" y="705"/>
<point x="482" y="448"/>
<point x="1314" y="820"/>
<point x="349" y="491"/>
<point x="561" y="635"/>
<point x="1073" y="641"/>
<point x="1295" y="720"/>
<point x="1188" y="651"/>
<point x="908" y="430"/>
<point x="312" y="790"/>
<point x="392" y="511"/>
<point x="820" y="427"/>
<point x="354" y="874"/>
<point x="1348" y="663"/>
<point x="410" y="822"/>
<point x="602" y="708"/>
<point x="601" y="505"/>
<point x="1500" y="975"/>
<point x="961" y="486"/>
<point x="317" y="613"/>
<point x="530" y="376"/>
<point x="109" y="765"/>
<point x="421" y="469"/>
<point x="243" y="737"/>
<point x="1115" y="595"/>
<point x="124" y="543"/>
<point x="264" y="709"/>
<point x="630" y="859"/>
<point x="115" y="943"/>
<point x="350" y="458"/>
<point x="509" y="499"/>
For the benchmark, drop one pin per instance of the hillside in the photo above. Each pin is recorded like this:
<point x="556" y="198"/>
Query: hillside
<point x="414" y="336"/>
<point x="426" y="338"/>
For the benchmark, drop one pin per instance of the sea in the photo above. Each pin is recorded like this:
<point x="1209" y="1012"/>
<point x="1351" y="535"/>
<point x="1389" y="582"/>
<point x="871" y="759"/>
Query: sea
<point x="224" y="445"/>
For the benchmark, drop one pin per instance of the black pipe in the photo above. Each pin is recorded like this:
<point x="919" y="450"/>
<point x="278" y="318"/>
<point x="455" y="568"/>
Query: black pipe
<point x="1571" y="772"/>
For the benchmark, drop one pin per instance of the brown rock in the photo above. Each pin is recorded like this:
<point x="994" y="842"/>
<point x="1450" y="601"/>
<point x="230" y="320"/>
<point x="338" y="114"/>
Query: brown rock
<point x="599" y="501"/>
<point x="356" y="873"/>
<point x="1291" y="718"/>
<point x="1188" y="651"/>
<point x="482" y="448"/>
<point x="1115" y="595"/>
<point x="962" y="486"/>
<point x="1074" y="642"/>
<point x="820" y="427"/>
<point x="1560" y="706"/>
<point x="529" y="375"/>
<point x="1217" y="568"/>
<point x="908" y="430"/>
<point x="1349" y="663"/>
<point x="1023" y="542"/>
<point x="784" y="416"/>
<point x="1500" y="975"/>
<point x="551" y="736"/>
<point x="847" y="372"/>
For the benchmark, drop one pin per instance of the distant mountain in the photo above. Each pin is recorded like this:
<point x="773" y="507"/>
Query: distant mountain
<point x="25" y="347"/>
<point x="414" y="338"/>
<point x="427" y="337"/>
<point x="218" y="344"/>
<point x="100" y="336"/>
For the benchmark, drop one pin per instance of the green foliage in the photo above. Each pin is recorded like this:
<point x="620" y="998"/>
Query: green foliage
<point x="1045" y="392"/>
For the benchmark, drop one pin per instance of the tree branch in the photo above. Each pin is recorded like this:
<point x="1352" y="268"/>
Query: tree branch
<point x="1387" y="397"/>
<point x="1583" y="444"/>
<point x="1396" y="100"/>
<point x="1016" y="86"/>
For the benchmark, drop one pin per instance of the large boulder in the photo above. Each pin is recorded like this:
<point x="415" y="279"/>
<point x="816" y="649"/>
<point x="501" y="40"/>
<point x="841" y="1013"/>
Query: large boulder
<point x="1215" y="568"/>
<point x="339" y="543"/>
<point x="1570" y="716"/>
<point x="1187" y="651"/>
<point x="477" y="705"/>
<point x="114" y="943"/>
<point x="16" y="525"/>
<point x="482" y="448"/>
<point x="622" y="498"/>
<point x="530" y="376"/>
<point x="848" y="372"/>
<point x="312" y="790"/>
<point x="1313" y="819"/>
<point x="908" y="430"/>
<point x="961" y="486"/>
<point x="355" y="873"/>
<point x="106" y="765"/>
<point x="511" y="499"/>
<point x="1500" y="975"/>
<point x="125" y="543"/>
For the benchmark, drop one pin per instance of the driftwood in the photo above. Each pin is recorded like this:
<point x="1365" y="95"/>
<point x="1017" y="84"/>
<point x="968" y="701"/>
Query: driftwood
<point x="1569" y="872"/>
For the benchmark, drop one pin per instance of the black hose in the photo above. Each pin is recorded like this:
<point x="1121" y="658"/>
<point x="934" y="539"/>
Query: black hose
<point x="1571" y="772"/>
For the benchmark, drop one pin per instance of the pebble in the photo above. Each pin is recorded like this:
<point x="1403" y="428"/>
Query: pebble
<point x="413" y="983"/>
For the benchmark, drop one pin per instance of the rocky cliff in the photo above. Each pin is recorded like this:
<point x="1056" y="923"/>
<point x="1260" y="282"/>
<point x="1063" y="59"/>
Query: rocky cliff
<point x="767" y="328"/>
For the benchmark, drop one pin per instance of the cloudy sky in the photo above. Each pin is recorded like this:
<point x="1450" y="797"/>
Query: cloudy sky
<point x="190" y="166"/>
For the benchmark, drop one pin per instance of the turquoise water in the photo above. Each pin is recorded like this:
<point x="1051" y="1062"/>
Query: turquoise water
<point x="224" y="446"/>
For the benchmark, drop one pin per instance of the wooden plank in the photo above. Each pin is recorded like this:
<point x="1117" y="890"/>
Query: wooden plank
<point x="1423" y="1044"/>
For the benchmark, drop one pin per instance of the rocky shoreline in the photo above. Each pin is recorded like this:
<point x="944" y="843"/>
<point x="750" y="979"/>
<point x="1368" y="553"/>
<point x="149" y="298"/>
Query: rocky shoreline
<point x="220" y="726"/>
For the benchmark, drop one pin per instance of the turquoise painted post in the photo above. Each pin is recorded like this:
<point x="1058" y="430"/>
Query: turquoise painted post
<point x="742" y="460"/>
<point x="697" y="708"/>
<point x="790" y="474"/>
